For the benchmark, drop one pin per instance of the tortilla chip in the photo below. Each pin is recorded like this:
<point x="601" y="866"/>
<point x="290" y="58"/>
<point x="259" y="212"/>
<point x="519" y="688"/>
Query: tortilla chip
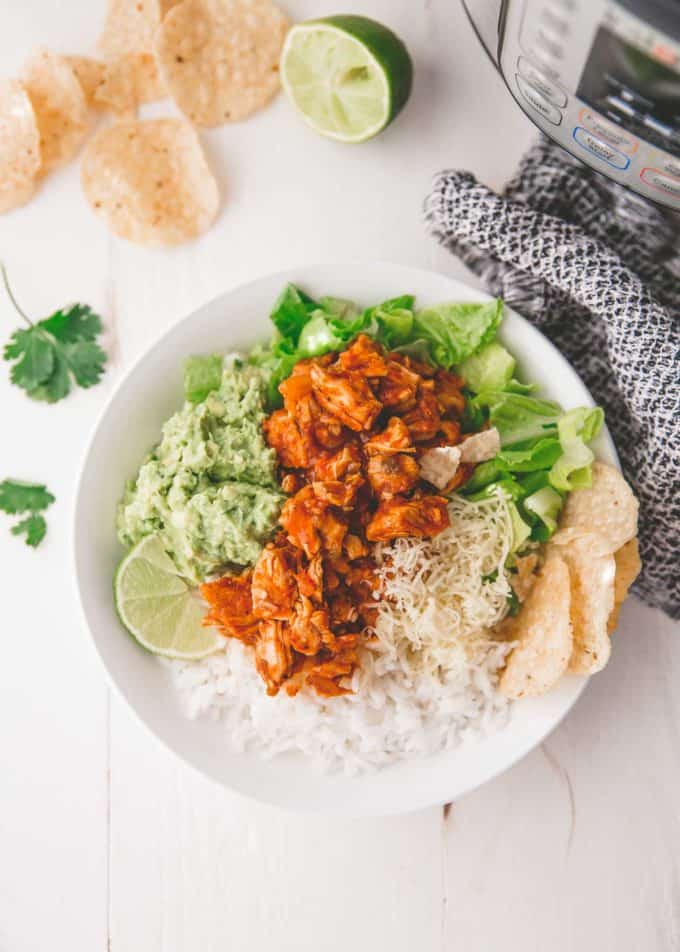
<point x="592" y="600"/>
<point x="607" y="509"/>
<point x="19" y="146"/>
<point x="128" y="83"/>
<point x="149" y="181"/>
<point x="60" y="107"/>
<point x="522" y="580"/>
<point x="90" y="74"/>
<point x="130" y="27"/>
<point x="565" y="537"/>
<point x="543" y="629"/>
<point x="219" y="59"/>
<point x="628" y="567"/>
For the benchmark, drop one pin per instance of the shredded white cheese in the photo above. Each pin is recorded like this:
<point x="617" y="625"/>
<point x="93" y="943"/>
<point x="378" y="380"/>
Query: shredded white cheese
<point x="440" y="596"/>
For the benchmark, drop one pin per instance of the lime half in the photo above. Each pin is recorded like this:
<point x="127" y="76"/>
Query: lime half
<point x="157" y="606"/>
<point x="349" y="76"/>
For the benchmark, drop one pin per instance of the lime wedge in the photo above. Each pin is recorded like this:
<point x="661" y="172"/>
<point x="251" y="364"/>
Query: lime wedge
<point x="349" y="76"/>
<point x="157" y="606"/>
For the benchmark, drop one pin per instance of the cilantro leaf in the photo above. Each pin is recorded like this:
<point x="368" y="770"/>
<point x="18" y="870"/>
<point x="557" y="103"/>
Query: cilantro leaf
<point x="37" y="358"/>
<point x="53" y="354"/>
<point x="57" y="386"/>
<point x="17" y="497"/>
<point x="78" y="322"/>
<point x="86" y="362"/>
<point x="35" y="528"/>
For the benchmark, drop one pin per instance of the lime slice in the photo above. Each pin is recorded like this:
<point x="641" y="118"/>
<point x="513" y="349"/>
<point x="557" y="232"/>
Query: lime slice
<point x="157" y="606"/>
<point x="349" y="76"/>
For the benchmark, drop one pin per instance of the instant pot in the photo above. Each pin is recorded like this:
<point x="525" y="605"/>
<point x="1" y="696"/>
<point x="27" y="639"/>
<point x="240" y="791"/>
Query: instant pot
<point x="599" y="77"/>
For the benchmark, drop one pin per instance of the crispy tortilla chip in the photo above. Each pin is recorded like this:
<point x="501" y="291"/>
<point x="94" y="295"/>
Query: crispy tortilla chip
<point x="543" y="629"/>
<point x="128" y="83"/>
<point x="60" y="107"/>
<point x="219" y="58"/>
<point x="130" y="27"/>
<point x="628" y="567"/>
<point x="608" y="508"/>
<point x="523" y="580"/>
<point x="19" y="146"/>
<point x="565" y="537"/>
<point x="592" y="600"/>
<point x="149" y="181"/>
<point x="90" y="74"/>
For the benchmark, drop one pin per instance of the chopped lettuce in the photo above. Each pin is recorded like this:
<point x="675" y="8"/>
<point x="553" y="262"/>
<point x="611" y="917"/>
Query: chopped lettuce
<point x="291" y="312"/>
<point x="540" y="453"/>
<point x="490" y="369"/>
<point x="340" y="308"/>
<point x="458" y="330"/>
<point x="572" y="469"/>
<point x="518" y="417"/>
<point x="319" y="335"/>
<point x="546" y="504"/>
<point x="526" y="472"/>
<point x="394" y="319"/>
<point x="506" y="483"/>
<point x="521" y="532"/>
<point x="202" y="375"/>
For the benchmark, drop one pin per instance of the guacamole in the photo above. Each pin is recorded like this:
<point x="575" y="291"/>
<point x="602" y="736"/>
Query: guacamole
<point x="209" y="488"/>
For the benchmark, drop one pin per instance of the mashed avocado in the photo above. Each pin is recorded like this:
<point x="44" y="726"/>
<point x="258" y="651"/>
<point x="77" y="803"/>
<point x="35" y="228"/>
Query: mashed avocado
<point x="209" y="487"/>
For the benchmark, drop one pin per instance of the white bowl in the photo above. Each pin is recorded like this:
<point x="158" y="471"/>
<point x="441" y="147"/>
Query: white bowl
<point x="129" y="427"/>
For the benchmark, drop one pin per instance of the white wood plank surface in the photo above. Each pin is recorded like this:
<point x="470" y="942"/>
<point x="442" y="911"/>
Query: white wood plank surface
<point x="106" y="841"/>
<point x="578" y="846"/>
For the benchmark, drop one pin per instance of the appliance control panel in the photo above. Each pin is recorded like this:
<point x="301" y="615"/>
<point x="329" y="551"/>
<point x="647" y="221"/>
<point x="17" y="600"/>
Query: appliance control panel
<point x="601" y="82"/>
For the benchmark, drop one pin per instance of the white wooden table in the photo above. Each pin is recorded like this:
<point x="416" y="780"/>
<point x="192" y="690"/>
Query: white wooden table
<point x="108" y="842"/>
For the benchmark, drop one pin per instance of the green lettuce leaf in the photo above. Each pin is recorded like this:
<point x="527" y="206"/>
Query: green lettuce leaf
<point x="456" y="331"/>
<point x="291" y="312"/>
<point x="319" y="335"/>
<point x="339" y="308"/>
<point x="490" y="369"/>
<point x="531" y="455"/>
<point x="521" y="532"/>
<point x="518" y="417"/>
<point x="546" y="504"/>
<point x="572" y="470"/>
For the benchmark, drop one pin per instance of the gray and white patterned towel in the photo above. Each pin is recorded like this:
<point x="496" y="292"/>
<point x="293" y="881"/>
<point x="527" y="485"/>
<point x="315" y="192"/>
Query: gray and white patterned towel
<point x="597" y="269"/>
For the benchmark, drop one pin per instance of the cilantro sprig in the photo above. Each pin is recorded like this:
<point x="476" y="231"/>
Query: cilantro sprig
<point x="29" y="500"/>
<point x="53" y="354"/>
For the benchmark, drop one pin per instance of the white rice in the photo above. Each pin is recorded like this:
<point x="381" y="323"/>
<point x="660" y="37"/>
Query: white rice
<point x="390" y="716"/>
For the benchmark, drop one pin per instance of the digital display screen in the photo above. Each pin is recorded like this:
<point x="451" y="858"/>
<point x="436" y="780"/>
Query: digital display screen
<point x="634" y="89"/>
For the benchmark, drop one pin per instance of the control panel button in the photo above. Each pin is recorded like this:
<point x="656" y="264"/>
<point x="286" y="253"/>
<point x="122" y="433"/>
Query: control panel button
<point x="663" y="183"/>
<point x="601" y="149"/>
<point x="540" y="82"/>
<point x="609" y="131"/>
<point x="538" y="101"/>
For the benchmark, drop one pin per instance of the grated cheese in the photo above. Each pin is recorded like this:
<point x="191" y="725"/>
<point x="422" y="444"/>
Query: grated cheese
<point x="441" y="596"/>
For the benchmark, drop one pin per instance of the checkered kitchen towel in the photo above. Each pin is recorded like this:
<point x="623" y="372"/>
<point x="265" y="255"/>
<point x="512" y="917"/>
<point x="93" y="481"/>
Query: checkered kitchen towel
<point x="597" y="269"/>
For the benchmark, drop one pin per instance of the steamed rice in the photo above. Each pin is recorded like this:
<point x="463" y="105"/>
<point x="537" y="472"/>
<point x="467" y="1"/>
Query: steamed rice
<point x="390" y="716"/>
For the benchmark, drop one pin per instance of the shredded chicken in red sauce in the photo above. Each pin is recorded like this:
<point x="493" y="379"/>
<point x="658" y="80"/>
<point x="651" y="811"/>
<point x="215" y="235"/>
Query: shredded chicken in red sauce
<point x="348" y="439"/>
